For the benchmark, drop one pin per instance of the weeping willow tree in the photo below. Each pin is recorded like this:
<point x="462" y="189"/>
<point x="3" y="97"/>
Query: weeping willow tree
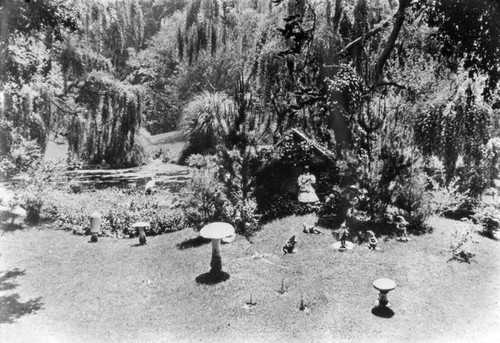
<point x="112" y="121"/>
<point x="104" y="112"/>
<point x="111" y="29"/>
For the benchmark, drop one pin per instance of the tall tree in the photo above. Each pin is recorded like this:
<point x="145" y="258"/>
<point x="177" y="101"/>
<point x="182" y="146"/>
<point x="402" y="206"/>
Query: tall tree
<point x="468" y="30"/>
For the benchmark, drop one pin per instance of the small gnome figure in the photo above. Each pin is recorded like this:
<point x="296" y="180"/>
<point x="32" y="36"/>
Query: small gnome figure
<point x="290" y="245"/>
<point x="372" y="240"/>
<point x="401" y="226"/>
<point x="310" y="229"/>
<point x="343" y="233"/>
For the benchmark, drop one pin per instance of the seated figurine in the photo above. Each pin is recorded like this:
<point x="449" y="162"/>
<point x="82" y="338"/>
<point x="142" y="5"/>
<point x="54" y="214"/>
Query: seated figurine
<point x="372" y="240"/>
<point x="310" y="229"/>
<point x="343" y="233"/>
<point x="289" y="247"/>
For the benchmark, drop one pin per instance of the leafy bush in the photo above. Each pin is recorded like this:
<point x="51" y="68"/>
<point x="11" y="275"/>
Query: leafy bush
<point x="282" y="205"/>
<point x="35" y="186"/>
<point x="23" y="156"/>
<point x="218" y="192"/>
<point x="164" y="154"/>
<point x="491" y="159"/>
<point x="338" y="203"/>
<point x="445" y="194"/>
<point x="412" y="197"/>
<point x="75" y="187"/>
<point x="460" y="245"/>
<point x="119" y="209"/>
<point x="488" y="216"/>
<point x="206" y="200"/>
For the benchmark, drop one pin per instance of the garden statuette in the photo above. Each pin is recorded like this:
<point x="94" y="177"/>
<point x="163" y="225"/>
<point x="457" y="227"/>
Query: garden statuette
<point x="310" y="229"/>
<point x="343" y="244"/>
<point x="290" y="245"/>
<point x="372" y="240"/>
<point x="216" y="231"/>
<point x="95" y="226"/>
<point x="307" y="194"/>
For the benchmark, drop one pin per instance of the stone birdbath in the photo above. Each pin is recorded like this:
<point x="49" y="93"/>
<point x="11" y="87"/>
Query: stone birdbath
<point x="384" y="286"/>
<point x="216" y="231"/>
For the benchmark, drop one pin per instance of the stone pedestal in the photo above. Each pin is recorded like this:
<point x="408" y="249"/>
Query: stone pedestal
<point x="95" y="226"/>
<point x="141" y="227"/>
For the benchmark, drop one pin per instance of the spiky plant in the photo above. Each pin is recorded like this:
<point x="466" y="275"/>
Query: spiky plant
<point x="205" y="122"/>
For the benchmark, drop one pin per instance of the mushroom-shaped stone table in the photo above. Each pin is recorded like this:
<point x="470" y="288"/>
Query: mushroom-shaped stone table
<point x="141" y="227"/>
<point x="216" y="231"/>
<point x="384" y="286"/>
<point x="95" y="226"/>
<point x="13" y="213"/>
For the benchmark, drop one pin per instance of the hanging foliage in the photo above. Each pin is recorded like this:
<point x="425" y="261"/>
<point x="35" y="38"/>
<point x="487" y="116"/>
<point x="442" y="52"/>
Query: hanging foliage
<point x="458" y="127"/>
<point x="113" y="120"/>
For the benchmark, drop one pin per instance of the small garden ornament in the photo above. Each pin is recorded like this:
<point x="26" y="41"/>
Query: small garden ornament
<point x="150" y="187"/>
<point x="310" y="229"/>
<point x="95" y="226"/>
<point x="401" y="226"/>
<point x="216" y="231"/>
<point x="343" y="233"/>
<point x="282" y="290"/>
<point x="141" y="227"/>
<point x="343" y="244"/>
<point x="372" y="240"/>
<point x="290" y="245"/>
<point x="307" y="194"/>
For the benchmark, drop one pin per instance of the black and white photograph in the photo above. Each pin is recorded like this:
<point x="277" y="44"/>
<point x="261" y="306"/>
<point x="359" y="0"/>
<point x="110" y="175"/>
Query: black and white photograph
<point x="249" y="171"/>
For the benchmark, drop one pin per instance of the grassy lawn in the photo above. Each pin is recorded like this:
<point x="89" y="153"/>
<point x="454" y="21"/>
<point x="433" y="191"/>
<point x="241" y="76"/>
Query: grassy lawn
<point x="60" y="288"/>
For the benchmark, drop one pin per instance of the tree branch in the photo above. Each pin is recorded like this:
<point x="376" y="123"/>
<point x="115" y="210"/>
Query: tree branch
<point x="336" y="15"/>
<point x="389" y="45"/>
<point x="366" y="36"/>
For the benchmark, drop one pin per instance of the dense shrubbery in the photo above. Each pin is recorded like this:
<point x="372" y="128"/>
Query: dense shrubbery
<point x="119" y="209"/>
<point x="488" y="216"/>
<point x="282" y="205"/>
<point x="205" y="201"/>
<point x="22" y="156"/>
<point x="216" y="194"/>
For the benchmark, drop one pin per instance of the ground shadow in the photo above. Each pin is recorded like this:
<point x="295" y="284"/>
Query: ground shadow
<point x="136" y="245"/>
<point x="8" y="227"/>
<point x="212" y="278"/>
<point x="11" y="308"/>
<point x="5" y="284"/>
<point x="192" y="243"/>
<point x="382" y="311"/>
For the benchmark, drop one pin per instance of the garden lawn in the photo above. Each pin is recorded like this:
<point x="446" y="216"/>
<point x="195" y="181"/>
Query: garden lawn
<point x="60" y="288"/>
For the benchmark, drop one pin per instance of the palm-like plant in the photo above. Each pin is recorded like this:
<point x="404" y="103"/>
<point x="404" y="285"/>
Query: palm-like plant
<point x="206" y="121"/>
